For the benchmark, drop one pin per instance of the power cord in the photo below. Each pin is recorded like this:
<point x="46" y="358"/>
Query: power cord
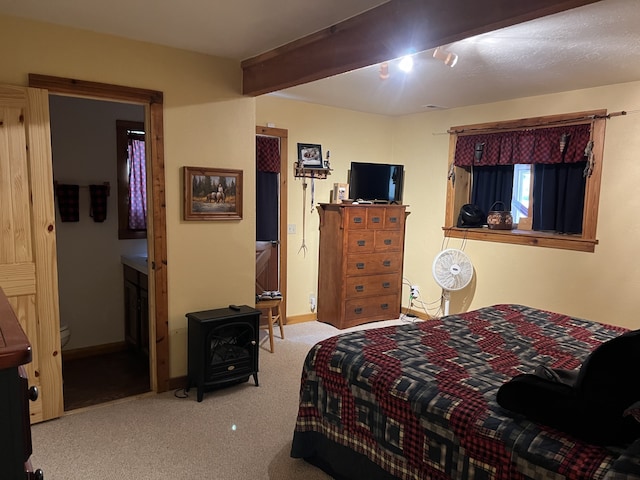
<point x="183" y="393"/>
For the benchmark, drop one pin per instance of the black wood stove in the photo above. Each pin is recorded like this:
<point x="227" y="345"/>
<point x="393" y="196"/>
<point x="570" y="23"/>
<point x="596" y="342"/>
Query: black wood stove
<point x="223" y="347"/>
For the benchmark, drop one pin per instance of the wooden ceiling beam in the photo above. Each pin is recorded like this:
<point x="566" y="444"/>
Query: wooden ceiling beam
<point x="388" y="31"/>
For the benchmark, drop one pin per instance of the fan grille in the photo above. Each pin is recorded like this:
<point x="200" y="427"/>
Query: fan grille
<point x="452" y="269"/>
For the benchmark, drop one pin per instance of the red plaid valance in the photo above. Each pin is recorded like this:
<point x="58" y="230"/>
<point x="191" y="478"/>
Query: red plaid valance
<point x="268" y="154"/>
<point x="544" y="145"/>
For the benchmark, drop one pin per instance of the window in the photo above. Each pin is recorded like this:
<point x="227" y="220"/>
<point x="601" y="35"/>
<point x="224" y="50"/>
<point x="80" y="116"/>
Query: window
<point x="551" y="187"/>
<point x="132" y="198"/>
<point x="522" y="183"/>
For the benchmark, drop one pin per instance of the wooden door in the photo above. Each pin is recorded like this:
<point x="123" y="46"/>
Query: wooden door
<point x="28" y="265"/>
<point x="267" y="266"/>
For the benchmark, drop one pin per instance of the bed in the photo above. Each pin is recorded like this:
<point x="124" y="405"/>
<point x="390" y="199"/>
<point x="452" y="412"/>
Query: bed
<point x="418" y="401"/>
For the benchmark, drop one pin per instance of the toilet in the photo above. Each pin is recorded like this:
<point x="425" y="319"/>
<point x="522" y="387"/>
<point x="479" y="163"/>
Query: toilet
<point x="65" y="335"/>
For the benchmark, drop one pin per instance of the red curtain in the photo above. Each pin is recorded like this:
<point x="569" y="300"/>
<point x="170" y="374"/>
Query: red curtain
<point x="268" y="154"/>
<point x="539" y="146"/>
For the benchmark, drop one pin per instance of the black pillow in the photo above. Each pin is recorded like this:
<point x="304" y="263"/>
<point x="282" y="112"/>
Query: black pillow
<point x="591" y="403"/>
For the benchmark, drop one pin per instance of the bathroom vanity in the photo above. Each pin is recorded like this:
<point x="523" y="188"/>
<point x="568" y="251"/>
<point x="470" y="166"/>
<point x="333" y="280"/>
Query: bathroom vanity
<point x="136" y="303"/>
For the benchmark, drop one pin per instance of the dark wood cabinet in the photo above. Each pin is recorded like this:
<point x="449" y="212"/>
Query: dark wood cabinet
<point x="136" y="309"/>
<point x="15" y="427"/>
<point x="360" y="264"/>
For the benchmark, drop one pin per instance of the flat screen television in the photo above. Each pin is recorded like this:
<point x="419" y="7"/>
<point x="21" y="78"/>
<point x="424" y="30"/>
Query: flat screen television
<point x="381" y="182"/>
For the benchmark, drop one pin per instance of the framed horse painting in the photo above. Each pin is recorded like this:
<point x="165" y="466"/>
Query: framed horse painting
<point x="212" y="193"/>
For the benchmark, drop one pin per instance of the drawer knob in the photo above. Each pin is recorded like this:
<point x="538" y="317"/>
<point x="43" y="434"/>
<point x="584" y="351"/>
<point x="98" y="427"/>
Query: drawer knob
<point x="386" y="263"/>
<point x="360" y="266"/>
<point x="361" y="243"/>
<point x="358" y="310"/>
<point x="384" y="306"/>
<point x="386" y="285"/>
<point x="375" y="219"/>
<point x="33" y="393"/>
<point x="393" y="219"/>
<point x="357" y="219"/>
<point x="253" y="342"/>
<point x="387" y="241"/>
<point x="359" y="288"/>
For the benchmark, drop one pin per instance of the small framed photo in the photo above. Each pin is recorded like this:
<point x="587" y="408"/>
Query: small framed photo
<point x="212" y="194"/>
<point x="310" y="155"/>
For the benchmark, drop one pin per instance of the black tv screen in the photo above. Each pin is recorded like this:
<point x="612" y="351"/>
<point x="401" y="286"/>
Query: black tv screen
<point x="376" y="182"/>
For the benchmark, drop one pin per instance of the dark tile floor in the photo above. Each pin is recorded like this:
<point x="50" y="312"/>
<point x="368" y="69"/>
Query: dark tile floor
<point x="104" y="378"/>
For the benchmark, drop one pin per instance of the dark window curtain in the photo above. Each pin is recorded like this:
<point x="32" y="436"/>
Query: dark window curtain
<point x="267" y="184"/>
<point x="558" y="192"/>
<point x="492" y="184"/>
<point x="543" y="145"/>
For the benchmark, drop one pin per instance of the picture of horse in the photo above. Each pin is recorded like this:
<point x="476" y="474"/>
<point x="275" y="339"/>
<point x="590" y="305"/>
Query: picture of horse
<point x="212" y="194"/>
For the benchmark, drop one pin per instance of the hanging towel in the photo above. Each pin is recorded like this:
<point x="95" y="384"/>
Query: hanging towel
<point x="68" y="202"/>
<point x="99" y="194"/>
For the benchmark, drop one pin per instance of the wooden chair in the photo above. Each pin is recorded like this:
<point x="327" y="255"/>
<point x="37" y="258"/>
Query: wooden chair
<point x="269" y="306"/>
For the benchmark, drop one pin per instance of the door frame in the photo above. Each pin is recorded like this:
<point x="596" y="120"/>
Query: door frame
<point x="283" y="135"/>
<point x="152" y="100"/>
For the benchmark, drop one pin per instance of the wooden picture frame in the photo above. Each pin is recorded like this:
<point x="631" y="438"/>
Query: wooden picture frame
<point x="310" y="155"/>
<point x="212" y="193"/>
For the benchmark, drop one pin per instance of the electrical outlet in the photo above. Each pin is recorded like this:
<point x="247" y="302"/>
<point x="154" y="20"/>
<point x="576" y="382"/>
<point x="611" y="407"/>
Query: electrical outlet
<point x="312" y="302"/>
<point x="415" y="291"/>
<point x="291" y="228"/>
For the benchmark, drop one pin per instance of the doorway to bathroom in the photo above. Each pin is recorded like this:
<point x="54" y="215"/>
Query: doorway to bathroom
<point x="98" y="364"/>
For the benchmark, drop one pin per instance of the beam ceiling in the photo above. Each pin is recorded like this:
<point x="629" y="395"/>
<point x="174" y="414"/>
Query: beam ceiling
<point x="388" y="31"/>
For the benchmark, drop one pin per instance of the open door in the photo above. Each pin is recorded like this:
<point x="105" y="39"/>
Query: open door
<point x="28" y="267"/>
<point x="271" y="211"/>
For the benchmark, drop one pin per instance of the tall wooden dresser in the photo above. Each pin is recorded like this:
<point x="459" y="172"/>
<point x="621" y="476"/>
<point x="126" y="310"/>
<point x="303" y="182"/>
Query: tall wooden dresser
<point x="360" y="265"/>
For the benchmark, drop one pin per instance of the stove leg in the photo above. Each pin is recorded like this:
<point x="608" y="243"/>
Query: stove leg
<point x="255" y="379"/>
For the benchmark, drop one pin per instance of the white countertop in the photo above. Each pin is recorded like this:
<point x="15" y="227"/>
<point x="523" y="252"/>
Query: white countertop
<point x="139" y="262"/>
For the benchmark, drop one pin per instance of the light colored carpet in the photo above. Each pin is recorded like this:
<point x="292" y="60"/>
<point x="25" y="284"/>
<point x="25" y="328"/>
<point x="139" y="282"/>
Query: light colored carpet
<point x="240" y="432"/>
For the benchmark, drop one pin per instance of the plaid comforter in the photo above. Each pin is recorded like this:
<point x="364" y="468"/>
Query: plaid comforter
<point x="419" y="400"/>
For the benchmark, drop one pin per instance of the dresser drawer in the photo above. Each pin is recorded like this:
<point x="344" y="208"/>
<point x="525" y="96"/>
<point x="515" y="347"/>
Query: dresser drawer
<point x="378" y="308"/>
<point x="388" y="218"/>
<point x="360" y="241"/>
<point x="374" y="263"/>
<point x="388" y="240"/>
<point x="355" y="218"/>
<point x="367" y="285"/>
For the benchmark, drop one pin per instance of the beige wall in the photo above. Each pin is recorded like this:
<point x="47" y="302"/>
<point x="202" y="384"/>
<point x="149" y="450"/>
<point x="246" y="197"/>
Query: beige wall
<point x="206" y="123"/>
<point x="349" y="136"/>
<point x="600" y="286"/>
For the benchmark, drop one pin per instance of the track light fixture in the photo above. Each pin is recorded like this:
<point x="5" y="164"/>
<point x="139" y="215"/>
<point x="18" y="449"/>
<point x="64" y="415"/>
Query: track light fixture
<point x="449" y="58"/>
<point x="384" y="70"/>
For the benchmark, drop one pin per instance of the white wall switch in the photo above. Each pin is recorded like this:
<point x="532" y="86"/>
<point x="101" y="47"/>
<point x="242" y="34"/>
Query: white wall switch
<point x="291" y="228"/>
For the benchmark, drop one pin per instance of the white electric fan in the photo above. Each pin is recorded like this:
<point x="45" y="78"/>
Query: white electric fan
<point x="452" y="271"/>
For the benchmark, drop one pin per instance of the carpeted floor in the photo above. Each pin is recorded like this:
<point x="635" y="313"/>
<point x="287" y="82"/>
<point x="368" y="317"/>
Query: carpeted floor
<point x="240" y="432"/>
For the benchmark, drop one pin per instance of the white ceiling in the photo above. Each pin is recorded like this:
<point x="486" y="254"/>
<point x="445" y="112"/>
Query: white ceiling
<point x="597" y="44"/>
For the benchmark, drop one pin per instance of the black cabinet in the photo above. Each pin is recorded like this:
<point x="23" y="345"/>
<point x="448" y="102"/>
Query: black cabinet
<point x="15" y="427"/>
<point x="136" y="309"/>
<point x="223" y="347"/>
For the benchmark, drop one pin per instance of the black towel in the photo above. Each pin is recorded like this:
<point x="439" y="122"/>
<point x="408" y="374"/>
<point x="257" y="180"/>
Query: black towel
<point x="99" y="194"/>
<point x="68" y="202"/>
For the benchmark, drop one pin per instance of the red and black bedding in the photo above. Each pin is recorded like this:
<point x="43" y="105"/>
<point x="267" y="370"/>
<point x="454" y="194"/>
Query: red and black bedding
<point x="419" y="401"/>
